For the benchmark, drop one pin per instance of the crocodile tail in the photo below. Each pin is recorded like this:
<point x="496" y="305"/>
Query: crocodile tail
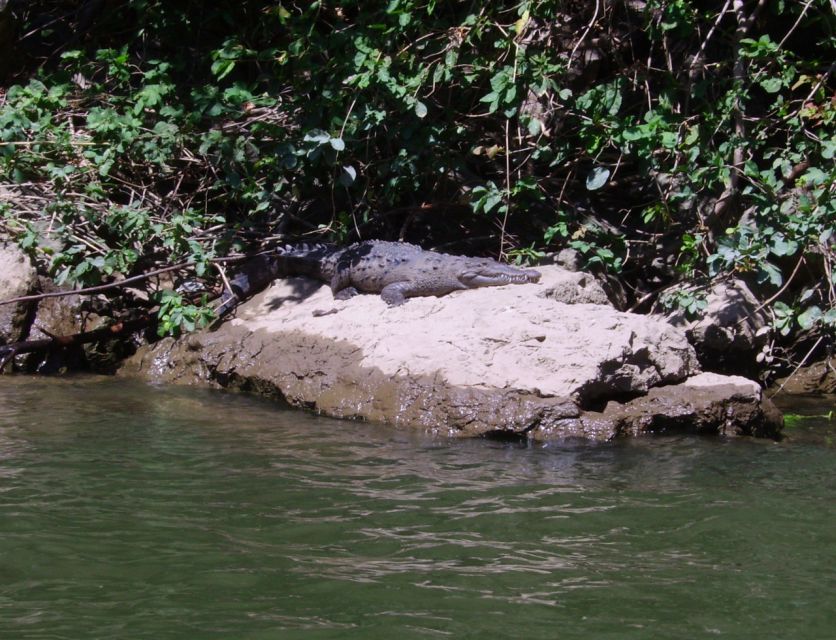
<point x="228" y="303"/>
<point x="304" y="259"/>
<point x="256" y="274"/>
<point x="252" y="277"/>
<point x="310" y="250"/>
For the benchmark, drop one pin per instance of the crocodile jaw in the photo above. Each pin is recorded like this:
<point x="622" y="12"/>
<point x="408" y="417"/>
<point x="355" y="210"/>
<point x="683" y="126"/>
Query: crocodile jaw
<point x="497" y="277"/>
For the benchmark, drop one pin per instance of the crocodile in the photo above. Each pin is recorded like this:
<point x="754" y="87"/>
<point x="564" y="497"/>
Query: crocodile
<point x="395" y="270"/>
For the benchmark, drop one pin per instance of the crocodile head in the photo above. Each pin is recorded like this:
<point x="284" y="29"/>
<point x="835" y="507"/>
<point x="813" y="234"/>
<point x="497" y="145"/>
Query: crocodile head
<point x="489" y="273"/>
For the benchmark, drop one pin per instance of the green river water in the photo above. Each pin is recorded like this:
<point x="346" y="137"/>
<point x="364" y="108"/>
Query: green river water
<point x="129" y="511"/>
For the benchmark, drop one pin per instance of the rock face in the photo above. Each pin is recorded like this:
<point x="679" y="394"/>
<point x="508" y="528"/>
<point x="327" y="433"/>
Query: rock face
<point x="819" y="377"/>
<point x="508" y="360"/>
<point x="39" y="319"/>
<point x="17" y="278"/>
<point x="730" y="331"/>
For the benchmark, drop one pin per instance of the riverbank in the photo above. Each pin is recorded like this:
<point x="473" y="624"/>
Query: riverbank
<point x="538" y="361"/>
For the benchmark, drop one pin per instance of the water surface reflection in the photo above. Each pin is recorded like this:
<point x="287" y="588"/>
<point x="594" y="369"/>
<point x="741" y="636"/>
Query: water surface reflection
<point x="132" y="511"/>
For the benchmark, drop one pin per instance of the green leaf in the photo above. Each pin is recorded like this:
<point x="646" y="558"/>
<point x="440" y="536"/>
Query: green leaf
<point x="768" y="272"/>
<point x="815" y="176"/>
<point x="669" y="139"/>
<point x="597" y="178"/>
<point x="809" y="317"/>
<point x="338" y="144"/>
<point x="772" y="85"/>
<point x="348" y="175"/>
<point x="420" y="109"/>
<point x="317" y="135"/>
<point x="782" y="309"/>
<point x="492" y="201"/>
<point x="222" y="68"/>
<point x="535" y="127"/>
<point x="783" y="247"/>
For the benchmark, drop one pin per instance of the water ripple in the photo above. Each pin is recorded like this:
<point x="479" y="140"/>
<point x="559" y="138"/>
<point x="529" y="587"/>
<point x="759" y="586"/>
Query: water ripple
<point x="131" y="511"/>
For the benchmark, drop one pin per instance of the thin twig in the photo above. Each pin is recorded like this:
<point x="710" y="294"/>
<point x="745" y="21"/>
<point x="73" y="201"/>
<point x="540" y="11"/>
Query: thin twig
<point x="507" y="189"/>
<point x="777" y="294"/>
<point x="222" y="273"/>
<point x="115" y="285"/>
<point x="585" y="33"/>
<point x="96" y="289"/>
<point x="695" y="60"/>
<point x="798" y="366"/>
<point x="794" y="26"/>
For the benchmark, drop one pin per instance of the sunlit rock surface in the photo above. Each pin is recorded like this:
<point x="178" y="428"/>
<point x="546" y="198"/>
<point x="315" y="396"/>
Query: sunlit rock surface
<point x="17" y="278"/>
<point x="512" y="360"/>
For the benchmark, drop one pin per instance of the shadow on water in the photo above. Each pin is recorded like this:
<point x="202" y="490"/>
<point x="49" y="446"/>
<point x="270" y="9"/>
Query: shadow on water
<point x="143" y="512"/>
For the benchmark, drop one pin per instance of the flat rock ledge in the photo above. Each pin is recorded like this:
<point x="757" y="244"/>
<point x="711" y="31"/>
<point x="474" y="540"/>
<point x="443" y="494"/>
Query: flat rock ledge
<point x="544" y="361"/>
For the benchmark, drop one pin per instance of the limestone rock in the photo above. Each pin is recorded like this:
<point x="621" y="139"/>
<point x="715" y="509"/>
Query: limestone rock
<point x="573" y="287"/>
<point x="62" y="315"/>
<point x="510" y="360"/>
<point x="598" y="288"/>
<point x="731" y="329"/>
<point x="819" y="377"/>
<point x="65" y="316"/>
<point x="705" y="403"/>
<point x="17" y="278"/>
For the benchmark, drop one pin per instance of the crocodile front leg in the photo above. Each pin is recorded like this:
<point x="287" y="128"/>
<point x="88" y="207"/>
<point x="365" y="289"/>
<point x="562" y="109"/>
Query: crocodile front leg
<point x="341" y="287"/>
<point x="345" y="293"/>
<point x="395" y="294"/>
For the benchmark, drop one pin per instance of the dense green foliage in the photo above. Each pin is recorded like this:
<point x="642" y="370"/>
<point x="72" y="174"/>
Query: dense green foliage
<point x="665" y="140"/>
